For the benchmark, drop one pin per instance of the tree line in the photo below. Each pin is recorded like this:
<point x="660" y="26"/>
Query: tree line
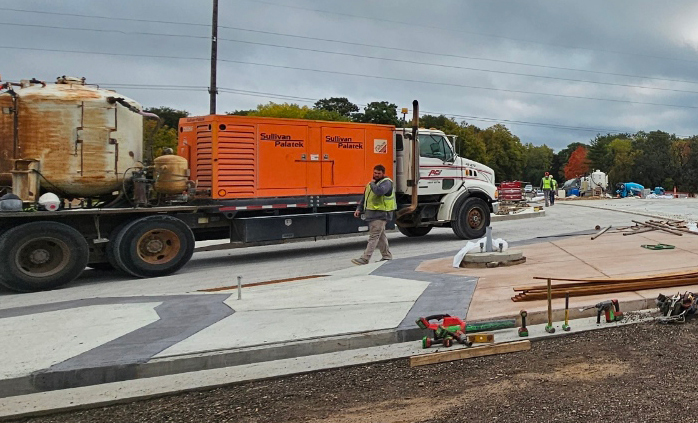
<point x="652" y="159"/>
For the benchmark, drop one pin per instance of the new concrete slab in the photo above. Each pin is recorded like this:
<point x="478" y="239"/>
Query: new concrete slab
<point x="121" y="392"/>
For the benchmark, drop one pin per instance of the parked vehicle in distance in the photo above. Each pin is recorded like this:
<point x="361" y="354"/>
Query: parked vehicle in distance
<point x="528" y="188"/>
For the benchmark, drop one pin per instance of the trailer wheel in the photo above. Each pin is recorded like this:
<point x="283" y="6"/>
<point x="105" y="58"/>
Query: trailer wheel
<point x="40" y="256"/>
<point x="472" y="219"/>
<point x="153" y="246"/>
<point x="415" y="231"/>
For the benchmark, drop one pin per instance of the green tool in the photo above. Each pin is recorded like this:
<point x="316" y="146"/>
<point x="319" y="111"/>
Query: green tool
<point x="658" y="246"/>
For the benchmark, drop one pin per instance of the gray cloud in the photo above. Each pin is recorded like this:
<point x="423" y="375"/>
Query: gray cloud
<point x="638" y="37"/>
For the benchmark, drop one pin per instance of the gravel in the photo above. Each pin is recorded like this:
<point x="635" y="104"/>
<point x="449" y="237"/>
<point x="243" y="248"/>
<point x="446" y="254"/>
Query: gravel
<point x="643" y="372"/>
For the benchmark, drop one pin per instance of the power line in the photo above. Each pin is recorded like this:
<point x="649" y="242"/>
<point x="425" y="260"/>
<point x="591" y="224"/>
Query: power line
<point x="363" y="56"/>
<point x="438" y="28"/>
<point x="385" y="78"/>
<point x="413" y="62"/>
<point x="259" y="94"/>
<point x="76" y="15"/>
<point x="307" y="38"/>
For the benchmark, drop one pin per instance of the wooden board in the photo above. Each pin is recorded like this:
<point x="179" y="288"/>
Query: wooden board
<point x="463" y="353"/>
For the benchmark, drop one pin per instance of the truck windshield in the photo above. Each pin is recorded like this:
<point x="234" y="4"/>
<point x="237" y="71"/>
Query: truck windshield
<point x="435" y="147"/>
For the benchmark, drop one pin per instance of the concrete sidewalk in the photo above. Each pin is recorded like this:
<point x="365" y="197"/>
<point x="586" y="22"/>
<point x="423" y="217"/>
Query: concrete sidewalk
<point x="101" y="340"/>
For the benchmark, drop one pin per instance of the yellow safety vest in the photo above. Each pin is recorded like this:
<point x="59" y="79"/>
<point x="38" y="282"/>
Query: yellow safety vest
<point x="547" y="183"/>
<point x="379" y="202"/>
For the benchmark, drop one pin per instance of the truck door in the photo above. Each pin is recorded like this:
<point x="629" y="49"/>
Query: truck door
<point x="343" y="160"/>
<point x="436" y="172"/>
<point x="282" y="160"/>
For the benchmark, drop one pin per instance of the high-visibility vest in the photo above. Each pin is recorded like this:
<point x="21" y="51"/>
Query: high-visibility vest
<point x="554" y="184"/>
<point x="547" y="183"/>
<point x="379" y="202"/>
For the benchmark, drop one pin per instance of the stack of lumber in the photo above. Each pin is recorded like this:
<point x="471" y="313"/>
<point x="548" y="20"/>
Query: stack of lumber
<point x="582" y="287"/>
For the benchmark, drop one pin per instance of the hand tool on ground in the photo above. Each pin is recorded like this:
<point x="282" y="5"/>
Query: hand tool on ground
<point x="610" y="308"/>
<point x="481" y="338"/>
<point x="549" y="327"/>
<point x="523" y="330"/>
<point x="566" y="326"/>
<point x="445" y="330"/>
<point x="658" y="246"/>
<point x="676" y="308"/>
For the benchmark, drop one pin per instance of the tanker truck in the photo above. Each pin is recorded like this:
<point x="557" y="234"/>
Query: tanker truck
<point x="77" y="192"/>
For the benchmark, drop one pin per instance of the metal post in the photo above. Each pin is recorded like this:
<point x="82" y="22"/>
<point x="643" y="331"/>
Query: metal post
<point x="213" y="88"/>
<point x="488" y="246"/>
<point x="239" y="287"/>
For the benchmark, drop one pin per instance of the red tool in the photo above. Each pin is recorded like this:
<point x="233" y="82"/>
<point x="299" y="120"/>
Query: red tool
<point x="445" y="329"/>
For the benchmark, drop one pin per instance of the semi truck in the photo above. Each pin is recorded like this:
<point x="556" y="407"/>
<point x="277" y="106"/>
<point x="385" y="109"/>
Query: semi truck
<point x="78" y="191"/>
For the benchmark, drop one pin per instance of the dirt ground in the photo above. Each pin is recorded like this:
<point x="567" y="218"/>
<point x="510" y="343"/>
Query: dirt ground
<point x="634" y="373"/>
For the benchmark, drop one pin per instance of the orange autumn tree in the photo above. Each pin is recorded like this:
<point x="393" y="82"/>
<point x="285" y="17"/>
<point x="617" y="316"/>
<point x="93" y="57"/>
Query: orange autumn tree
<point x="578" y="164"/>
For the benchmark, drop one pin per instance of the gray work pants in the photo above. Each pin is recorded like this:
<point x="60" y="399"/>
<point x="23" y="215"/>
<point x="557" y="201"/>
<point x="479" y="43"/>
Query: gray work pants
<point x="377" y="238"/>
<point x="546" y="194"/>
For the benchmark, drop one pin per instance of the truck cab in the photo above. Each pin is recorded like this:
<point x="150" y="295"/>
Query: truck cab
<point x="452" y="191"/>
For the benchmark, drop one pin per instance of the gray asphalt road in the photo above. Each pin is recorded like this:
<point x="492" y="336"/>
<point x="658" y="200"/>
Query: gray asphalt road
<point x="220" y="268"/>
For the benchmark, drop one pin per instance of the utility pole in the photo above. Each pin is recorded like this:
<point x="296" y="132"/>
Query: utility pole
<point x="213" y="88"/>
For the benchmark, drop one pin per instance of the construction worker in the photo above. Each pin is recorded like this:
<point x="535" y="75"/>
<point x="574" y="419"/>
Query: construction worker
<point x="546" y="185"/>
<point x="553" y="192"/>
<point x="378" y="205"/>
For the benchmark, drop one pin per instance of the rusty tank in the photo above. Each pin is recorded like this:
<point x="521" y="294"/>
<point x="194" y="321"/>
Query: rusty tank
<point x="79" y="140"/>
<point x="171" y="174"/>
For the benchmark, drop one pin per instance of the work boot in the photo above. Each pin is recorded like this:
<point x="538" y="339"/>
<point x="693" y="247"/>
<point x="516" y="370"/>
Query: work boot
<point x="359" y="261"/>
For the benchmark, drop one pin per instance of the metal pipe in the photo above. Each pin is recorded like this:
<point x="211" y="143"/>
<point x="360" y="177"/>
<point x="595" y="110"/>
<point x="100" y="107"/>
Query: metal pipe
<point x="415" y="162"/>
<point x="239" y="287"/>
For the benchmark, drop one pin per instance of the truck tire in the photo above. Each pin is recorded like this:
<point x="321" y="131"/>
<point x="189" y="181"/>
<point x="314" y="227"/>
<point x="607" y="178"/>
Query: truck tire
<point x="415" y="231"/>
<point x="472" y="219"/>
<point x="39" y="256"/>
<point x="153" y="246"/>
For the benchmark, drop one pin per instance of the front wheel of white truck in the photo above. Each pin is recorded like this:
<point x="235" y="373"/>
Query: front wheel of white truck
<point x="471" y="219"/>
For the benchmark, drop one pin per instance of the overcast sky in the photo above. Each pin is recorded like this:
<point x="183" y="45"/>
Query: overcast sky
<point x="642" y="43"/>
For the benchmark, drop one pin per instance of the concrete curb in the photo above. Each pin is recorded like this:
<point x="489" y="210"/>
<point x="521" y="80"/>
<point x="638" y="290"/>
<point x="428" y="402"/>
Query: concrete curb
<point x="507" y="217"/>
<point x="49" y="380"/>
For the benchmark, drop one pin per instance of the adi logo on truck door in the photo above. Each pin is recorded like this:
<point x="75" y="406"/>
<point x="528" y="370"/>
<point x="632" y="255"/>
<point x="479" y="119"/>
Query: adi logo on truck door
<point x="435" y="172"/>
<point x="281" y="140"/>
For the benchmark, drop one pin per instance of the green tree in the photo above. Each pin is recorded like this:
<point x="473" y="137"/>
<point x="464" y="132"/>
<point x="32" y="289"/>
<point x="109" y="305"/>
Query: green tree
<point x="504" y="152"/>
<point x="623" y="161"/>
<point x="294" y="111"/>
<point x="341" y="105"/>
<point x="156" y="138"/>
<point x="653" y="164"/>
<point x="599" y="155"/>
<point x="537" y="161"/>
<point x="381" y="112"/>
<point x="439" y="122"/>
<point x="240" y="112"/>
<point x="170" y="117"/>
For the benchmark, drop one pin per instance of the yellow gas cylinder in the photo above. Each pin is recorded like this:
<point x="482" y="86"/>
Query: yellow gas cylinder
<point x="171" y="174"/>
